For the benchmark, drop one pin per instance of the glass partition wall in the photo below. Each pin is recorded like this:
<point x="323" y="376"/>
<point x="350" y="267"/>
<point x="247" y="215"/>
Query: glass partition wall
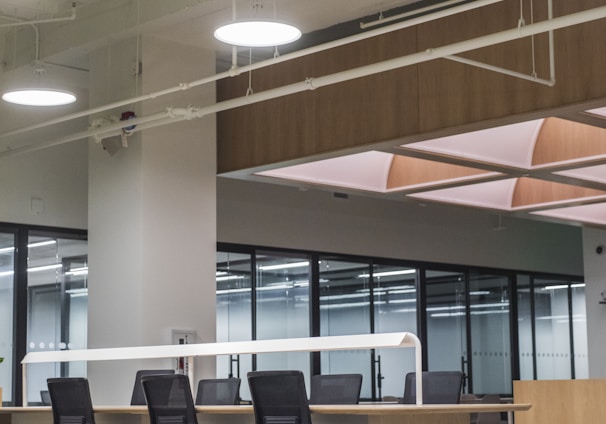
<point x="43" y="303"/>
<point x="486" y="322"/>
<point x="57" y="282"/>
<point x="7" y="298"/>
<point x="552" y="328"/>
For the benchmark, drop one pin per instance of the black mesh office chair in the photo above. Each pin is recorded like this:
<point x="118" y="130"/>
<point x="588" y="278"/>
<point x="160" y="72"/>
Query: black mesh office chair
<point x="70" y="400"/>
<point x="137" y="397"/>
<point x="45" y="398"/>
<point x="218" y="391"/>
<point x="279" y="397"/>
<point x="169" y="399"/>
<point x="439" y="387"/>
<point x="335" y="389"/>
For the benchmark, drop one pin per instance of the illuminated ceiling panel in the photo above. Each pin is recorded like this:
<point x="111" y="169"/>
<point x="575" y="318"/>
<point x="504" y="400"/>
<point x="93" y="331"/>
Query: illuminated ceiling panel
<point x="549" y="167"/>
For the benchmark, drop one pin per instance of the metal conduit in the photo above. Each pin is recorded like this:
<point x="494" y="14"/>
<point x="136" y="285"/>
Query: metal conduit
<point x="176" y="115"/>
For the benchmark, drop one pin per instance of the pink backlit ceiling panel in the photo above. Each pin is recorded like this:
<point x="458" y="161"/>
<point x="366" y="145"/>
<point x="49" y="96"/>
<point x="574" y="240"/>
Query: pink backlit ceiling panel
<point x="511" y="145"/>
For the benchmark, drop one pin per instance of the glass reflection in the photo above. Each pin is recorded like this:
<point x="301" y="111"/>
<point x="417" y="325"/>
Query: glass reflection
<point x="7" y="275"/>
<point x="57" y="281"/>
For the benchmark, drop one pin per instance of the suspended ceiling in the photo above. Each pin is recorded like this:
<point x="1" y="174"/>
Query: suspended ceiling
<point x="552" y="168"/>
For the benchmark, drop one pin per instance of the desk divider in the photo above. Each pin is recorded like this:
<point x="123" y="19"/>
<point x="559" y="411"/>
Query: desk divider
<point x="303" y="344"/>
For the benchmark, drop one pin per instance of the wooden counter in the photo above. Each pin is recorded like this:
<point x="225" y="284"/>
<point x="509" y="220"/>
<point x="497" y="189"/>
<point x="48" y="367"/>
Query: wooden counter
<point x="366" y="413"/>
<point x="562" y="401"/>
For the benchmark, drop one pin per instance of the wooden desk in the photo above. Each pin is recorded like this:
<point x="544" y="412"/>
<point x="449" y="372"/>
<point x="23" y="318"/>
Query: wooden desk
<point x="321" y="414"/>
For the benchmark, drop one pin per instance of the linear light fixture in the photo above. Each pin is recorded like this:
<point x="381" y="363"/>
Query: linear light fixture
<point x="283" y="266"/>
<point x="389" y="273"/>
<point x="44" y="268"/>
<point x="42" y="243"/>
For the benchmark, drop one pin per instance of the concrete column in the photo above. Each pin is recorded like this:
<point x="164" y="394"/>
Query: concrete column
<point x="152" y="215"/>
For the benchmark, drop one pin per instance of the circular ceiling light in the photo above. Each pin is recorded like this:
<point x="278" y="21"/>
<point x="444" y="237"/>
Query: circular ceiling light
<point x="39" y="97"/>
<point x="257" y="33"/>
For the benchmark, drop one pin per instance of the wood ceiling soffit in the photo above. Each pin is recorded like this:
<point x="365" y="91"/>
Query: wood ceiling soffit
<point x="530" y="191"/>
<point x="433" y="96"/>
<point x="406" y="171"/>
<point x="562" y="140"/>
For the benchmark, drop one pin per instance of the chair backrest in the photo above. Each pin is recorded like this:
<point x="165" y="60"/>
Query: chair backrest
<point x="45" y="398"/>
<point x="70" y="400"/>
<point x="169" y="399"/>
<point x="490" y="417"/>
<point x="137" y="397"/>
<point x="334" y="389"/>
<point x="279" y="397"/>
<point x="218" y="391"/>
<point x="439" y="387"/>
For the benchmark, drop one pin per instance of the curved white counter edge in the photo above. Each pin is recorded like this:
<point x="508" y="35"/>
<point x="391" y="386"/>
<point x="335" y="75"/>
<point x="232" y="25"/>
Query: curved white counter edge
<point x="304" y="344"/>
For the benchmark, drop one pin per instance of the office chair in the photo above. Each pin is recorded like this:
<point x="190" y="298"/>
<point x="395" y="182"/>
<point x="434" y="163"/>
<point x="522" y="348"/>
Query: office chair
<point x="70" y="401"/>
<point x="137" y="397"/>
<point x="490" y="417"/>
<point x="279" y="397"/>
<point x="219" y="391"/>
<point x="169" y="399"/>
<point x="335" y="389"/>
<point x="439" y="387"/>
<point x="45" y="398"/>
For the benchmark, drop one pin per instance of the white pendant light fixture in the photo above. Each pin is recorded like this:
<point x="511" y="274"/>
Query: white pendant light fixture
<point x="257" y="32"/>
<point x="38" y="92"/>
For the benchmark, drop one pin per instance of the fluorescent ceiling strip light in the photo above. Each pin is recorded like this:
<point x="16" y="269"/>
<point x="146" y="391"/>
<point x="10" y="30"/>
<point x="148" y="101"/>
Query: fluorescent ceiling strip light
<point x="479" y="292"/>
<point x="389" y="273"/>
<point x="402" y="301"/>
<point x="563" y="286"/>
<point x="78" y="271"/>
<point x="44" y="268"/>
<point x="284" y="266"/>
<point x="344" y="296"/>
<point x="7" y="273"/>
<point x="42" y="243"/>
<point x="229" y="277"/>
<point x="233" y="291"/>
<point x="7" y="250"/>
<point x="77" y="291"/>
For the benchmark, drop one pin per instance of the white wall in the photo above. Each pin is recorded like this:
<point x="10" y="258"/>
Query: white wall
<point x="595" y="280"/>
<point x="46" y="187"/>
<point x="259" y="214"/>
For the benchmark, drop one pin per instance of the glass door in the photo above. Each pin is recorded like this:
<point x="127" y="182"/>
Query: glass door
<point x="489" y="323"/>
<point x="345" y="309"/>
<point x="395" y="310"/>
<point x="468" y="328"/>
<point x="282" y="307"/>
<point x="446" y="306"/>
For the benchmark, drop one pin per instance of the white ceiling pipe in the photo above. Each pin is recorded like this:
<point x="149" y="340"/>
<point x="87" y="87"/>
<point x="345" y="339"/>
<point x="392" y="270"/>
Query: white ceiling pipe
<point x="548" y="82"/>
<point x="234" y="71"/>
<point x="20" y="22"/>
<point x="404" y="15"/>
<point x="363" y="71"/>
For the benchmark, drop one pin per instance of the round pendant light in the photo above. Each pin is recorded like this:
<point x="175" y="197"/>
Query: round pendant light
<point x="257" y="33"/>
<point x="39" y="97"/>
